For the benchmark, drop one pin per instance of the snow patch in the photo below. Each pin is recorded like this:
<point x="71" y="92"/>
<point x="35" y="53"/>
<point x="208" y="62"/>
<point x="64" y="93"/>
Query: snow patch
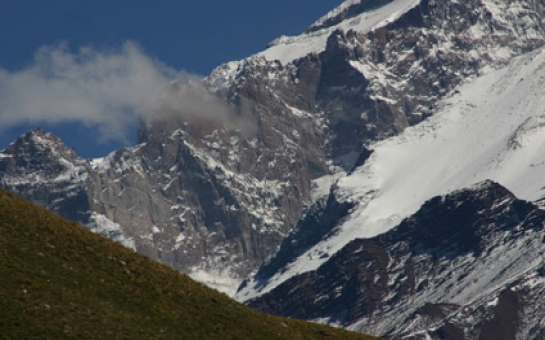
<point x="221" y="281"/>
<point x="102" y="225"/>
<point x="321" y="187"/>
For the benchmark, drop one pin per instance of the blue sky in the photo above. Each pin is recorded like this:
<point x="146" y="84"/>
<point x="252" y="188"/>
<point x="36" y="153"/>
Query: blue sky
<point x="162" y="36"/>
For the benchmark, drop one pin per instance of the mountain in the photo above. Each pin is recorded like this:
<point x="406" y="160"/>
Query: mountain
<point x="336" y="135"/>
<point x="43" y="167"/>
<point x="214" y="196"/>
<point x="490" y="128"/>
<point x="59" y="280"/>
<point x="468" y="265"/>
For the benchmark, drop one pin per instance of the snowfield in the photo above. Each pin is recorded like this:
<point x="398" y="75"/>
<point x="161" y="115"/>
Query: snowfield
<point x="492" y="127"/>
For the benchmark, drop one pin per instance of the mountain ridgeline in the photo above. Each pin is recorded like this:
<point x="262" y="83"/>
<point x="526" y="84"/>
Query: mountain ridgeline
<point x="468" y="265"/>
<point x="318" y="192"/>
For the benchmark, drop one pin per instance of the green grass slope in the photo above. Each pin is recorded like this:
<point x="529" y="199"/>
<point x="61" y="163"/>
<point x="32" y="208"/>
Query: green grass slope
<point x="58" y="280"/>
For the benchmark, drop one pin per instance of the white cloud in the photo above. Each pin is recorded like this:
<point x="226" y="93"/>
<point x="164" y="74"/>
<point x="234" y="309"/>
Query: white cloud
<point x="108" y="89"/>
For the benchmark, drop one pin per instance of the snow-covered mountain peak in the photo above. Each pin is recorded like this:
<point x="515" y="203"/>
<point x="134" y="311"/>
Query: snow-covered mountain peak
<point x="365" y="19"/>
<point x="485" y="31"/>
<point x="42" y="151"/>
<point x="352" y="15"/>
<point x="37" y="137"/>
<point x="40" y="167"/>
<point x="347" y="10"/>
<point x="367" y="71"/>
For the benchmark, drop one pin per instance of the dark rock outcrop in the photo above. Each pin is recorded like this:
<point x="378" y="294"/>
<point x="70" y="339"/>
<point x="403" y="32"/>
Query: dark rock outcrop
<point x="446" y="272"/>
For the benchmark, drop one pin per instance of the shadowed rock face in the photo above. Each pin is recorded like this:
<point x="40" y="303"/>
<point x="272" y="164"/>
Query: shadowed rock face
<point x="426" y="277"/>
<point x="220" y="198"/>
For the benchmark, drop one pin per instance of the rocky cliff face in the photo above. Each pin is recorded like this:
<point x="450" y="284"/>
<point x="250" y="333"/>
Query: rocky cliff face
<point x="468" y="265"/>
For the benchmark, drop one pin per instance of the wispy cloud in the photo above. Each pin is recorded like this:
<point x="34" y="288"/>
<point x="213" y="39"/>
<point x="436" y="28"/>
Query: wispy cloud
<point x="189" y="100"/>
<point x="107" y="89"/>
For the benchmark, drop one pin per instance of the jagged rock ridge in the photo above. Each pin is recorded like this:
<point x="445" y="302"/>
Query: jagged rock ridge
<point x="468" y="265"/>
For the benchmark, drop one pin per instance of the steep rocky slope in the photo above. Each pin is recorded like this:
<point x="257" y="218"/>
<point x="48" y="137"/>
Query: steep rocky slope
<point x="491" y="128"/>
<point x="468" y="265"/>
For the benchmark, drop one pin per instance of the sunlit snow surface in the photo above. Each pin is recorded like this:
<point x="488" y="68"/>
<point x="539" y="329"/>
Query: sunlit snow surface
<point x="493" y="127"/>
<point x="221" y="281"/>
<point x="102" y="225"/>
<point x="287" y="49"/>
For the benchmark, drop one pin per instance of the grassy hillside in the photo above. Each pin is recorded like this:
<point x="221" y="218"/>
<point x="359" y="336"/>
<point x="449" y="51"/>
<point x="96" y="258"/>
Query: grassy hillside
<point x="58" y="280"/>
